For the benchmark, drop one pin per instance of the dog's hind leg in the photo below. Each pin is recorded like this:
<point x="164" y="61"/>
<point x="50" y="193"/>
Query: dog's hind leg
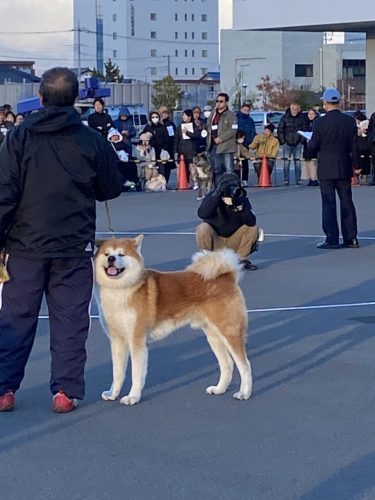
<point x="237" y="349"/>
<point x="139" y="359"/>
<point x="225" y="362"/>
<point x="120" y="355"/>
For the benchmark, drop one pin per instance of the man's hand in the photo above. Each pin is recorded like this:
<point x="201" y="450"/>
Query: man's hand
<point x="218" y="140"/>
<point x="125" y="132"/>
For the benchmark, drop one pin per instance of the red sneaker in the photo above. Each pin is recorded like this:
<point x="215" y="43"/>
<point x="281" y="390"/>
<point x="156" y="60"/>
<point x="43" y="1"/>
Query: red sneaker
<point x="62" y="404"/>
<point x="7" y="401"/>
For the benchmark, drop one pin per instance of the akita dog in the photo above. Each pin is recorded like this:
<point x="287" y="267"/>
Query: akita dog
<point x="138" y="303"/>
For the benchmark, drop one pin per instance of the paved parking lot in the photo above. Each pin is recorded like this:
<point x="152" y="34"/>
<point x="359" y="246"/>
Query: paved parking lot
<point x="307" y="432"/>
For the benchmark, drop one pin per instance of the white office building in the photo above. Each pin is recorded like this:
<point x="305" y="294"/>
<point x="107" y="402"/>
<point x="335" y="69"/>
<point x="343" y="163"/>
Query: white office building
<point x="148" y="39"/>
<point x="285" y="40"/>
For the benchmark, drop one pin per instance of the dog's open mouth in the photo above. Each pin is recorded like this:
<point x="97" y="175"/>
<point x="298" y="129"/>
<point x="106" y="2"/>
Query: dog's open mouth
<point x="113" y="271"/>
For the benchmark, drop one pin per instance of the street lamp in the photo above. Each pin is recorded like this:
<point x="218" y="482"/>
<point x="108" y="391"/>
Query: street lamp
<point x="244" y="87"/>
<point x="349" y="96"/>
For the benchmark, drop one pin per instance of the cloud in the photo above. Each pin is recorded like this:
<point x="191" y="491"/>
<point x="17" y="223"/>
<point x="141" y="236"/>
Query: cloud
<point x="34" y="16"/>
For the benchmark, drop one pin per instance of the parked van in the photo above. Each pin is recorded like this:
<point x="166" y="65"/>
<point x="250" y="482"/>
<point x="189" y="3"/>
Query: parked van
<point x="261" y="118"/>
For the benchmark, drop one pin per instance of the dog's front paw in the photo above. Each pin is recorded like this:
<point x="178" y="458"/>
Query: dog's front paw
<point x="215" y="389"/>
<point x="109" y="395"/>
<point x="129" y="400"/>
<point x="242" y="395"/>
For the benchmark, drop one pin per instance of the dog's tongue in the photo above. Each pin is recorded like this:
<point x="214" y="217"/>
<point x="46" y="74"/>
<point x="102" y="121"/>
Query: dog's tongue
<point x="112" y="271"/>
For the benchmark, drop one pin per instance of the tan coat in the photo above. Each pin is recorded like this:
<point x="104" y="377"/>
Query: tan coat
<point x="265" y="146"/>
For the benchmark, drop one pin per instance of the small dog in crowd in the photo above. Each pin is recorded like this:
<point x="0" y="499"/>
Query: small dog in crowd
<point x="138" y="303"/>
<point x="204" y="174"/>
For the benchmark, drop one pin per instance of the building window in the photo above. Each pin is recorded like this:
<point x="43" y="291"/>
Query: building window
<point x="306" y="70"/>
<point x="154" y="71"/>
<point x="204" y="18"/>
<point x="114" y="18"/>
<point x="114" y="54"/>
<point x="186" y="53"/>
<point x="176" y="52"/>
<point x="185" y="17"/>
<point x="192" y="35"/>
<point x="193" y="53"/>
<point x="185" y="35"/>
<point x="193" y="17"/>
<point x="114" y="35"/>
<point x="204" y="53"/>
<point x="353" y="68"/>
<point x="176" y="17"/>
<point x="193" y="71"/>
<point x="153" y="52"/>
<point x="132" y="20"/>
<point x="204" y="35"/>
<point x="153" y="16"/>
<point x="153" y="34"/>
<point x="176" y="71"/>
<point x="186" y="71"/>
<point x="203" y="71"/>
<point x="176" y="35"/>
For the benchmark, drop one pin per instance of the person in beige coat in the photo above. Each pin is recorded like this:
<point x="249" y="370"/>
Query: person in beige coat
<point x="265" y="145"/>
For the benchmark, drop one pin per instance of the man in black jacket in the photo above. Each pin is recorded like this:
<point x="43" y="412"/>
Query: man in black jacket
<point x="100" y="120"/>
<point x="287" y="132"/>
<point x="334" y="141"/>
<point x="52" y="171"/>
<point x="229" y="220"/>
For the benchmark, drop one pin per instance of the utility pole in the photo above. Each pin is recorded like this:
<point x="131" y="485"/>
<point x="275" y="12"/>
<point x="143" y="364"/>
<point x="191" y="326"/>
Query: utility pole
<point x="79" y="53"/>
<point x="169" y="65"/>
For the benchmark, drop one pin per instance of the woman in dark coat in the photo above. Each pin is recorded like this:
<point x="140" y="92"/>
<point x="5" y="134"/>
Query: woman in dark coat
<point x="159" y="139"/>
<point x="187" y="142"/>
<point x="310" y="168"/>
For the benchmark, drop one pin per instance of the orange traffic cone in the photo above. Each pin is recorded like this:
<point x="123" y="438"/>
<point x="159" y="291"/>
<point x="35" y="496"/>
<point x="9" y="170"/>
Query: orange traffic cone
<point x="182" y="182"/>
<point x="264" y="177"/>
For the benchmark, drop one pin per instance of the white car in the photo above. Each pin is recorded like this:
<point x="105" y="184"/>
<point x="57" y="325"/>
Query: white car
<point x="261" y="118"/>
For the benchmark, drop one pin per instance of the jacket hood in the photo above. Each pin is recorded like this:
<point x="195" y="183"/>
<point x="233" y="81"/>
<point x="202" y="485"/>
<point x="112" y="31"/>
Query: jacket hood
<point x="124" y="112"/>
<point x="53" y="119"/>
<point x="114" y="132"/>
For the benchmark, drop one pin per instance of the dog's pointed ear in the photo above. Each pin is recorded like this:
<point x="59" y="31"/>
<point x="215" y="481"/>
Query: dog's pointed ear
<point x="138" y="242"/>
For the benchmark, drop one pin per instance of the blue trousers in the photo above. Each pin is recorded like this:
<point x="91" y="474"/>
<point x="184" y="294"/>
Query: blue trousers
<point x="295" y="153"/>
<point x="221" y="164"/>
<point x="67" y="285"/>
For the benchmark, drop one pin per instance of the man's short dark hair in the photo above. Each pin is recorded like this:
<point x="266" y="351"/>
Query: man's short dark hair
<point x="59" y="87"/>
<point x="223" y="94"/>
<point x="246" y="105"/>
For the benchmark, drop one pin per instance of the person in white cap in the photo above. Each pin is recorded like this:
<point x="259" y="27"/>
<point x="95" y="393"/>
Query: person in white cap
<point x="334" y="141"/>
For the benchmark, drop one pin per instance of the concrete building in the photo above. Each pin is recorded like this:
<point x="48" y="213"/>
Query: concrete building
<point x="309" y="61"/>
<point x="148" y="39"/>
<point x="322" y="16"/>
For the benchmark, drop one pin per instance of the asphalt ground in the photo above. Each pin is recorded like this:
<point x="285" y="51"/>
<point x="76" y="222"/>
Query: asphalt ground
<point x="306" y="433"/>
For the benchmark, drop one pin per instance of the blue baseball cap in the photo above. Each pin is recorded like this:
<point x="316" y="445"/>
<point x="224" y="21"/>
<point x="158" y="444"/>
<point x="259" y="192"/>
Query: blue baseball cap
<point x="331" y="95"/>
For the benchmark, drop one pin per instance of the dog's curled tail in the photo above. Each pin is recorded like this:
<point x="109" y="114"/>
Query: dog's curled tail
<point x="210" y="265"/>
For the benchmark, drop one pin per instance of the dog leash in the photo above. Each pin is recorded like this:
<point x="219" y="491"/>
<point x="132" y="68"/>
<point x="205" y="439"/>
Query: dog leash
<point x="112" y="231"/>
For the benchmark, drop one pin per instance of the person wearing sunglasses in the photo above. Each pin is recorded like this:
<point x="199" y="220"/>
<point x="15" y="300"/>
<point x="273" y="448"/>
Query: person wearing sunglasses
<point x="221" y="137"/>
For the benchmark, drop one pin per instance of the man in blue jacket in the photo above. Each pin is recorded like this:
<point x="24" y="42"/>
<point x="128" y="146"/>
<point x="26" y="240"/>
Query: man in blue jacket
<point x="247" y="125"/>
<point x="52" y="171"/>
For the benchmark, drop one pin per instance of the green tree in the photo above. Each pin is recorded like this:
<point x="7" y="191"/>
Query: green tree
<point x="97" y="74"/>
<point x="166" y="93"/>
<point x="112" y="72"/>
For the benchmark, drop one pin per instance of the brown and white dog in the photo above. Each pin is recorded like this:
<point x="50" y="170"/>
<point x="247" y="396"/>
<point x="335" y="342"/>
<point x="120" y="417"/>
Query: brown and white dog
<point x="138" y="303"/>
<point x="203" y="168"/>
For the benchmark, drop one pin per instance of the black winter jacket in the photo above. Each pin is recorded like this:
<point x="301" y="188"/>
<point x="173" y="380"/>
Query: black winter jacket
<point x="187" y="147"/>
<point x="225" y="219"/>
<point x="101" y="122"/>
<point x="52" y="169"/>
<point x="289" y="126"/>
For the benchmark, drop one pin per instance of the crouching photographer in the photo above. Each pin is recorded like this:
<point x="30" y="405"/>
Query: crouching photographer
<point x="229" y="221"/>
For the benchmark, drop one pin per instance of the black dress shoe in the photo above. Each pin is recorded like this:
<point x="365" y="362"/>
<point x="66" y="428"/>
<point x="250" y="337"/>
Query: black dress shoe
<point x="350" y="244"/>
<point x="326" y="245"/>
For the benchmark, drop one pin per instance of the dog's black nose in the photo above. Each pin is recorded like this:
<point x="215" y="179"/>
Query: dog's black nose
<point x="111" y="259"/>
